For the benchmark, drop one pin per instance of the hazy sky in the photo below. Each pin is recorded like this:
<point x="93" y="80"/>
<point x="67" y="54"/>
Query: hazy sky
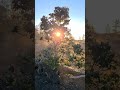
<point x="76" y="12"/>
<point x="102" y="12"/>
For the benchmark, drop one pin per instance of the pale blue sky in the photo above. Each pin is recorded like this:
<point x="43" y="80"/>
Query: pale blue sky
<point x="76" y="12"/>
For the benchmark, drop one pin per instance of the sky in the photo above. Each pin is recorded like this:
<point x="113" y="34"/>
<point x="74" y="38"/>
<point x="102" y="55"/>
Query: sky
<point x="102" y="12"/>
<point x="76" y="13"/>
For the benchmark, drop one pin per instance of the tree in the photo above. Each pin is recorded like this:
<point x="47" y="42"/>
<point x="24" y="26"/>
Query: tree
<point x="44" y="23"/>
<point x="100" y="64"/>
<point x="116" y="25"/>
<point x="22" y="4"/>
<point x="56" y="21"/>
<point x="107" y="28"/>
<point x="23" y="14"/>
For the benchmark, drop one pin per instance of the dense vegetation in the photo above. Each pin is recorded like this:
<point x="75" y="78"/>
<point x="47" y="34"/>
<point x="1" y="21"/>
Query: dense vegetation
<point x="101" y="63"/>
<point x="17" y="28"/>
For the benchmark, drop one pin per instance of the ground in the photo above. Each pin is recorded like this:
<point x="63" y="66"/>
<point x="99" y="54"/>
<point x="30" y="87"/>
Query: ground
<point x="69" y="77"/>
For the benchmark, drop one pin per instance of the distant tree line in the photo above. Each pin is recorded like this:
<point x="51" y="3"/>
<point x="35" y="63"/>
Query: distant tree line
<point x="115" y="26"/>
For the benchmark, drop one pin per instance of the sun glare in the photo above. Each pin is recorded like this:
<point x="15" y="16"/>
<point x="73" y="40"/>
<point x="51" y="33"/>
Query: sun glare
<point x="58" y="34"/>
<point x="77" y="29"/>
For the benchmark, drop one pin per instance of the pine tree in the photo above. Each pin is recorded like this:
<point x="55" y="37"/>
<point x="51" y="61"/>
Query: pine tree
<point x="116" y="25"/>
<point x="108" y="28"/>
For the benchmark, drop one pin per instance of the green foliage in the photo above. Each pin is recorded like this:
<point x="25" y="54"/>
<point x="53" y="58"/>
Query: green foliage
<point x="71" y="54"/>
<point x="77" y="48"/>
<point x="79" y="64"/>
<point x="50" y="58"/>
<point x="71" y="58"/>
<point x="52" y="62"/>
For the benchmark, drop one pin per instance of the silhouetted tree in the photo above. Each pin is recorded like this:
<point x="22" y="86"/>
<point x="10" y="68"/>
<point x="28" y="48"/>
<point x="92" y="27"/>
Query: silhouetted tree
<point x="56" y="21"/>
<point x="116" y="25"/>
<point x="108" y="28"/>
<point x="100" y="63"/>
<point x="44" y="23"/>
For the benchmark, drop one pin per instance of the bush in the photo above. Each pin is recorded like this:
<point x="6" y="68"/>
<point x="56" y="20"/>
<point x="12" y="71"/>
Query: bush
<point x="50" y="58"/>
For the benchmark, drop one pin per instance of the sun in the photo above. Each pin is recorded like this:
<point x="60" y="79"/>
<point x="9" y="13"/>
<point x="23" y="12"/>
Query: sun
<point x="58" y="34"/>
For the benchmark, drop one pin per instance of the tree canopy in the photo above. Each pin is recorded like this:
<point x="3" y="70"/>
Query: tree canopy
<point x="56" y="21"/>
<point x="23" y="12"/>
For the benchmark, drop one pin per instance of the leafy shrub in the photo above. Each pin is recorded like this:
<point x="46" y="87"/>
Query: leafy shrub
<point x="77" y="48"/>
<point x="50" y="58"/>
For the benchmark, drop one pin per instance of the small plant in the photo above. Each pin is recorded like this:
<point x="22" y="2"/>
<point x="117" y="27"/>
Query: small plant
<point x="52" y="62"/>
<point x="77" y="48"/>
<point x="80" y="64"/>
<point x="49" y="57"/>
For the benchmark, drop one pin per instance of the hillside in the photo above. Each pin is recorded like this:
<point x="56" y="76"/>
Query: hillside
<point x="112" y="38"/>
<point x="68" y="74"/>
<point x="12" y="44"/>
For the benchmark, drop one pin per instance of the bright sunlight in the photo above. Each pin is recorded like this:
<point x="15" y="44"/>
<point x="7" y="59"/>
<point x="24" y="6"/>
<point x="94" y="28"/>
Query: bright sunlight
<point x="77" y="29"/>
<point x="58" y="34"/>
